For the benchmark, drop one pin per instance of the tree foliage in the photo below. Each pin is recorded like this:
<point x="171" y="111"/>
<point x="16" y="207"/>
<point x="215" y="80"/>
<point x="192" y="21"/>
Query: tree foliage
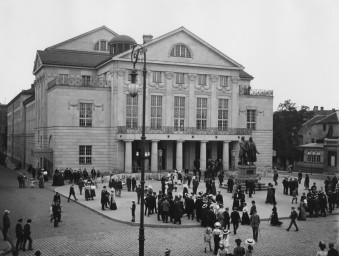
<point x="287" y="121"/>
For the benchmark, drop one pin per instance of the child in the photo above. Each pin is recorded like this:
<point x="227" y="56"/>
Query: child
<point x="249" y="250"/>
<point x="133" y="211"/>
<point x="294" y="194"/>
<point x="32" y="183"/>
<point x="208" y="238"/>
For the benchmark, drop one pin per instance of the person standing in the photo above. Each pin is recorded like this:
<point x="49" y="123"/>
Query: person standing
<point x="72" y="192"/>
<point x="235" y="219"/>
<point x="239" y="250"/>
<point x="293" y="217"/>
<point x="6" y="223"/>
<point x="300" y="176"/>
<point x="113" y="204"/>
<point x="226" y="216"/>
<point x="133" y="210"/>
<point x="19" y="235"/>
<point x="138" y="191"/>
<point x="275" y="177"/>
<point x="253" y="208"/>
<point x="307" y="182"/>
<point x="255" y="222"/>
<point x="104" y="198"/>
<point x="27" y="236"/>
<point x="56" y="209"/>
<point x="81" y="185"/>
<point x="285" y="184"/>
<point x="129" y="183"/>
<point x="216" y="233"/>
<point x="165" y="206"/>
<point x="332" y="251"/>
<point x="134" y="183"/>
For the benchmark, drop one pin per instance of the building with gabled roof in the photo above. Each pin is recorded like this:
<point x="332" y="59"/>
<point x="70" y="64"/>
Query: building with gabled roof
<point x="199" y="103"/>
<point x="320" y="147"/>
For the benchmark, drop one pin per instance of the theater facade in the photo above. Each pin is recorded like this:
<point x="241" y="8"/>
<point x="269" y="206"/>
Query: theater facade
<point x="199" y="103"/>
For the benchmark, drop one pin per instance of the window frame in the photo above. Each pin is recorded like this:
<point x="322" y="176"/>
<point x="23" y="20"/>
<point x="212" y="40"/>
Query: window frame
<point x="223" y="81"/>
<point x="63" y="78"/>
<point x="222" y="112"/>
<point x="179" y="113"/>
<point x="132" y="114"/>
<point x="156" y="112"/>
<point x="85" y="119"/>
<point x="85" y="154"/>
<point x="180" y="51"/>
<point x="201" y="116"/>
<point x="179" y="78"/>
<point x="251" y="124"/>
<point x="157" y="76"/>
<point x="86" y="80"/>
<point x="202" y="79"/>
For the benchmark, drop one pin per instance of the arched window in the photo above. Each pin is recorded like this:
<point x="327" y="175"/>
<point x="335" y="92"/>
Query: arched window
<point x="101" y="46"/>
<point x="180" y="50"/>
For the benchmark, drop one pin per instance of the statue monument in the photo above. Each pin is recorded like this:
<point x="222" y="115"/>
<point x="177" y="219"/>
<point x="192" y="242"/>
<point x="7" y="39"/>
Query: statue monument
<point x="247" y="157"/>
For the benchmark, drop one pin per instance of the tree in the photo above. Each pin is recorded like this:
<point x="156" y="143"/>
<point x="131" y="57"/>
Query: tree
<point x="287" y="121"/>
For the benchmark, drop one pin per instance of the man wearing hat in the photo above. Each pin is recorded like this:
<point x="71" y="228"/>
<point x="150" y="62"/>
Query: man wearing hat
<point x="219" y="198"/>
<point x="235" y="219"/>
<point x="293" y="217"/>
<point x="6" y="223"/>
<point x="255" y="222"/>
<point x="19" y="234"/>
<point x="27" y="235"/>
<point x="216" y="234"/>
<point x="198" y="207"/>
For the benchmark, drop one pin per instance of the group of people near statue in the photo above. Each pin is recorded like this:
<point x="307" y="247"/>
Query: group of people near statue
<point x="74" y="176"/>
<point x="25" y="182"/>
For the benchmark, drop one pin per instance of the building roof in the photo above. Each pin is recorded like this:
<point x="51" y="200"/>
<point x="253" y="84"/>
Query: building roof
<point x="313" y="120"/>
<point x="30" y="91"/>
<point x="332" y="118"/>
<point x="312" y="145"/>
<point x="73" y="58"/>
<point x="122" y="39"/>
<point x="245" y="75"/>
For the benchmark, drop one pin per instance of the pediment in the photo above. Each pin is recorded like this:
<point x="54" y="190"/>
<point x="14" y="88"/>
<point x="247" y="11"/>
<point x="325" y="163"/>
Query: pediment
<point x="37" y="62"/>
<point x="202" y="53"/>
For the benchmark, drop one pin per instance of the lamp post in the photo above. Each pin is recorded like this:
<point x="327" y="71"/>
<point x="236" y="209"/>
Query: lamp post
<point x="140" y="51"/>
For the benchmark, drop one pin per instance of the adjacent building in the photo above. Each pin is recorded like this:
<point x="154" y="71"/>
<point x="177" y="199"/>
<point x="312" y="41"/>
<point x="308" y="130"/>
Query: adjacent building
<point x="199" y="103"/>
<point x="320" y="143"/>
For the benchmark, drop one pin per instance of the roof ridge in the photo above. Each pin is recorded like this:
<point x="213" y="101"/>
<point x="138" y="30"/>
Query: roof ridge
<point x="75" y="51"/>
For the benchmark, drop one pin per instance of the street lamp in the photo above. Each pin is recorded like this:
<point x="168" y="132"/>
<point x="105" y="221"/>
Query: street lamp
<point x="140" y="51"/>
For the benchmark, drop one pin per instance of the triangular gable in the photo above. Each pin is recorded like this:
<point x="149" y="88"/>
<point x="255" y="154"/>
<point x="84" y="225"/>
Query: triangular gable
<point x="202" y="52"/>
<point x="37" y="62"/>
<point x="86" y="41"/>
<point x="330" y="119"/>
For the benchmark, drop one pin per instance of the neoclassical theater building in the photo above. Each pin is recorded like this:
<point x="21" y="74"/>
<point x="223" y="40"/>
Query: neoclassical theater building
<point x="199" y="103"/>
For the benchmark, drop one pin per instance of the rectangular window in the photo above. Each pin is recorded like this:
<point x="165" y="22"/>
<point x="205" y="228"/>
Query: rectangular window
<point x="223" y="81"/>
<point x="86" y="80"/>
<point x="85" y="115"/>
<point x="103" y="45"/>
<point x="156" y="77"/>
<point x="251" y="113"/>
<point x="201" y="113"/>
<point x="85" y="154"/>
<point x="223" y="114"/>
<point x="318" y="157"/>
<point x="156" y="112"/>
<point x="132" y="112"/>
<point x="63" y="79"/>
<point x="179" y="113"/>
<point x="202" y="79"/>
<point x="179" y="78"/>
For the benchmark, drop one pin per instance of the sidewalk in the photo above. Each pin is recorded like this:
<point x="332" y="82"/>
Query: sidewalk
<point x="123" y="213"/>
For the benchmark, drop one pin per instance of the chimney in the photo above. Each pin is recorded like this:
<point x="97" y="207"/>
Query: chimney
<point x="321" y="108"/>
<point x="315" y="108"/>
<point x="147" y="38"/>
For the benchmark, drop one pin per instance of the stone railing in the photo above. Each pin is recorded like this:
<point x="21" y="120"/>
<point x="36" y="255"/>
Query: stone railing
<point x="184" y="130"/>
<point x="94" y="82"/>
<point x="246" y="90"/>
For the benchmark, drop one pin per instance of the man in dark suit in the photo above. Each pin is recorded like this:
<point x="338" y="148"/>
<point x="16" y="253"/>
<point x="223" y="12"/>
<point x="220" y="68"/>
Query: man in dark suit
<point x="56" y="197"/>
<point x="226" y="222"/>
<point x="293" y="217"/>
<point x="27" y="235"/>
<point x="6" y="223"/>
<point x="56" y="209"/>
<point x="235" y="219"/>
<point x="253" y="208"/>
<point x="19" y="235"/>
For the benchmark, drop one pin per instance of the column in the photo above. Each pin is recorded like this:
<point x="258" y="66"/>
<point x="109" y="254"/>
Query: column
<point x="154" y="156"/>
<point x="225" y="155"/>
<point x="179" y="155"/>
<point x="203" y="155"/>
<point x="169" y="155"/>
<point x="128" y="156"/>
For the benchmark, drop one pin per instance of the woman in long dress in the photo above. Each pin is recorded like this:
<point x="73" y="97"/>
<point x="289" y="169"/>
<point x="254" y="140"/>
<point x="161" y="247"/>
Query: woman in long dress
<point x="245" y="219"/>
<point x="270" y="198"/>
<point x="302" y="211"/>
<point x="41" y="182"/>
<point x="274" y="217"/>
<point x="113" y="205"/>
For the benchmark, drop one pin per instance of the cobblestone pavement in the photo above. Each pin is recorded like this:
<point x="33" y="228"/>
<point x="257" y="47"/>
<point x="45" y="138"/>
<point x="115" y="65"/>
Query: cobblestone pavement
<point x="84" y="232"/>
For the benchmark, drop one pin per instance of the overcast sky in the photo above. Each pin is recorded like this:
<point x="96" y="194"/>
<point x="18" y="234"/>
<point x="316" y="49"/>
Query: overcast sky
<point x="289" y="46"/>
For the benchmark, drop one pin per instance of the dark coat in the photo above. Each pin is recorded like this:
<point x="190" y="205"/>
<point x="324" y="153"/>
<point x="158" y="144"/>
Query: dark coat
<point x="5" y="221"/>
<point x="27" y="230"/>
<point x="19" y="230"/>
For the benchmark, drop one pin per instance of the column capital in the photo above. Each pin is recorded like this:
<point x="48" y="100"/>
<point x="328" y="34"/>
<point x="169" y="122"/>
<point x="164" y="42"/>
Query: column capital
<point x="128" y="140"/>
<point x="227" y="141"/>
<point x="180" y="141"/>
<point x="155" y="140"/>
<point x="204" y="141"/>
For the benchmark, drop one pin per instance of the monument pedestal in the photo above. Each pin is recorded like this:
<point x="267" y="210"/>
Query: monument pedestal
<point x="246" y="172"/>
